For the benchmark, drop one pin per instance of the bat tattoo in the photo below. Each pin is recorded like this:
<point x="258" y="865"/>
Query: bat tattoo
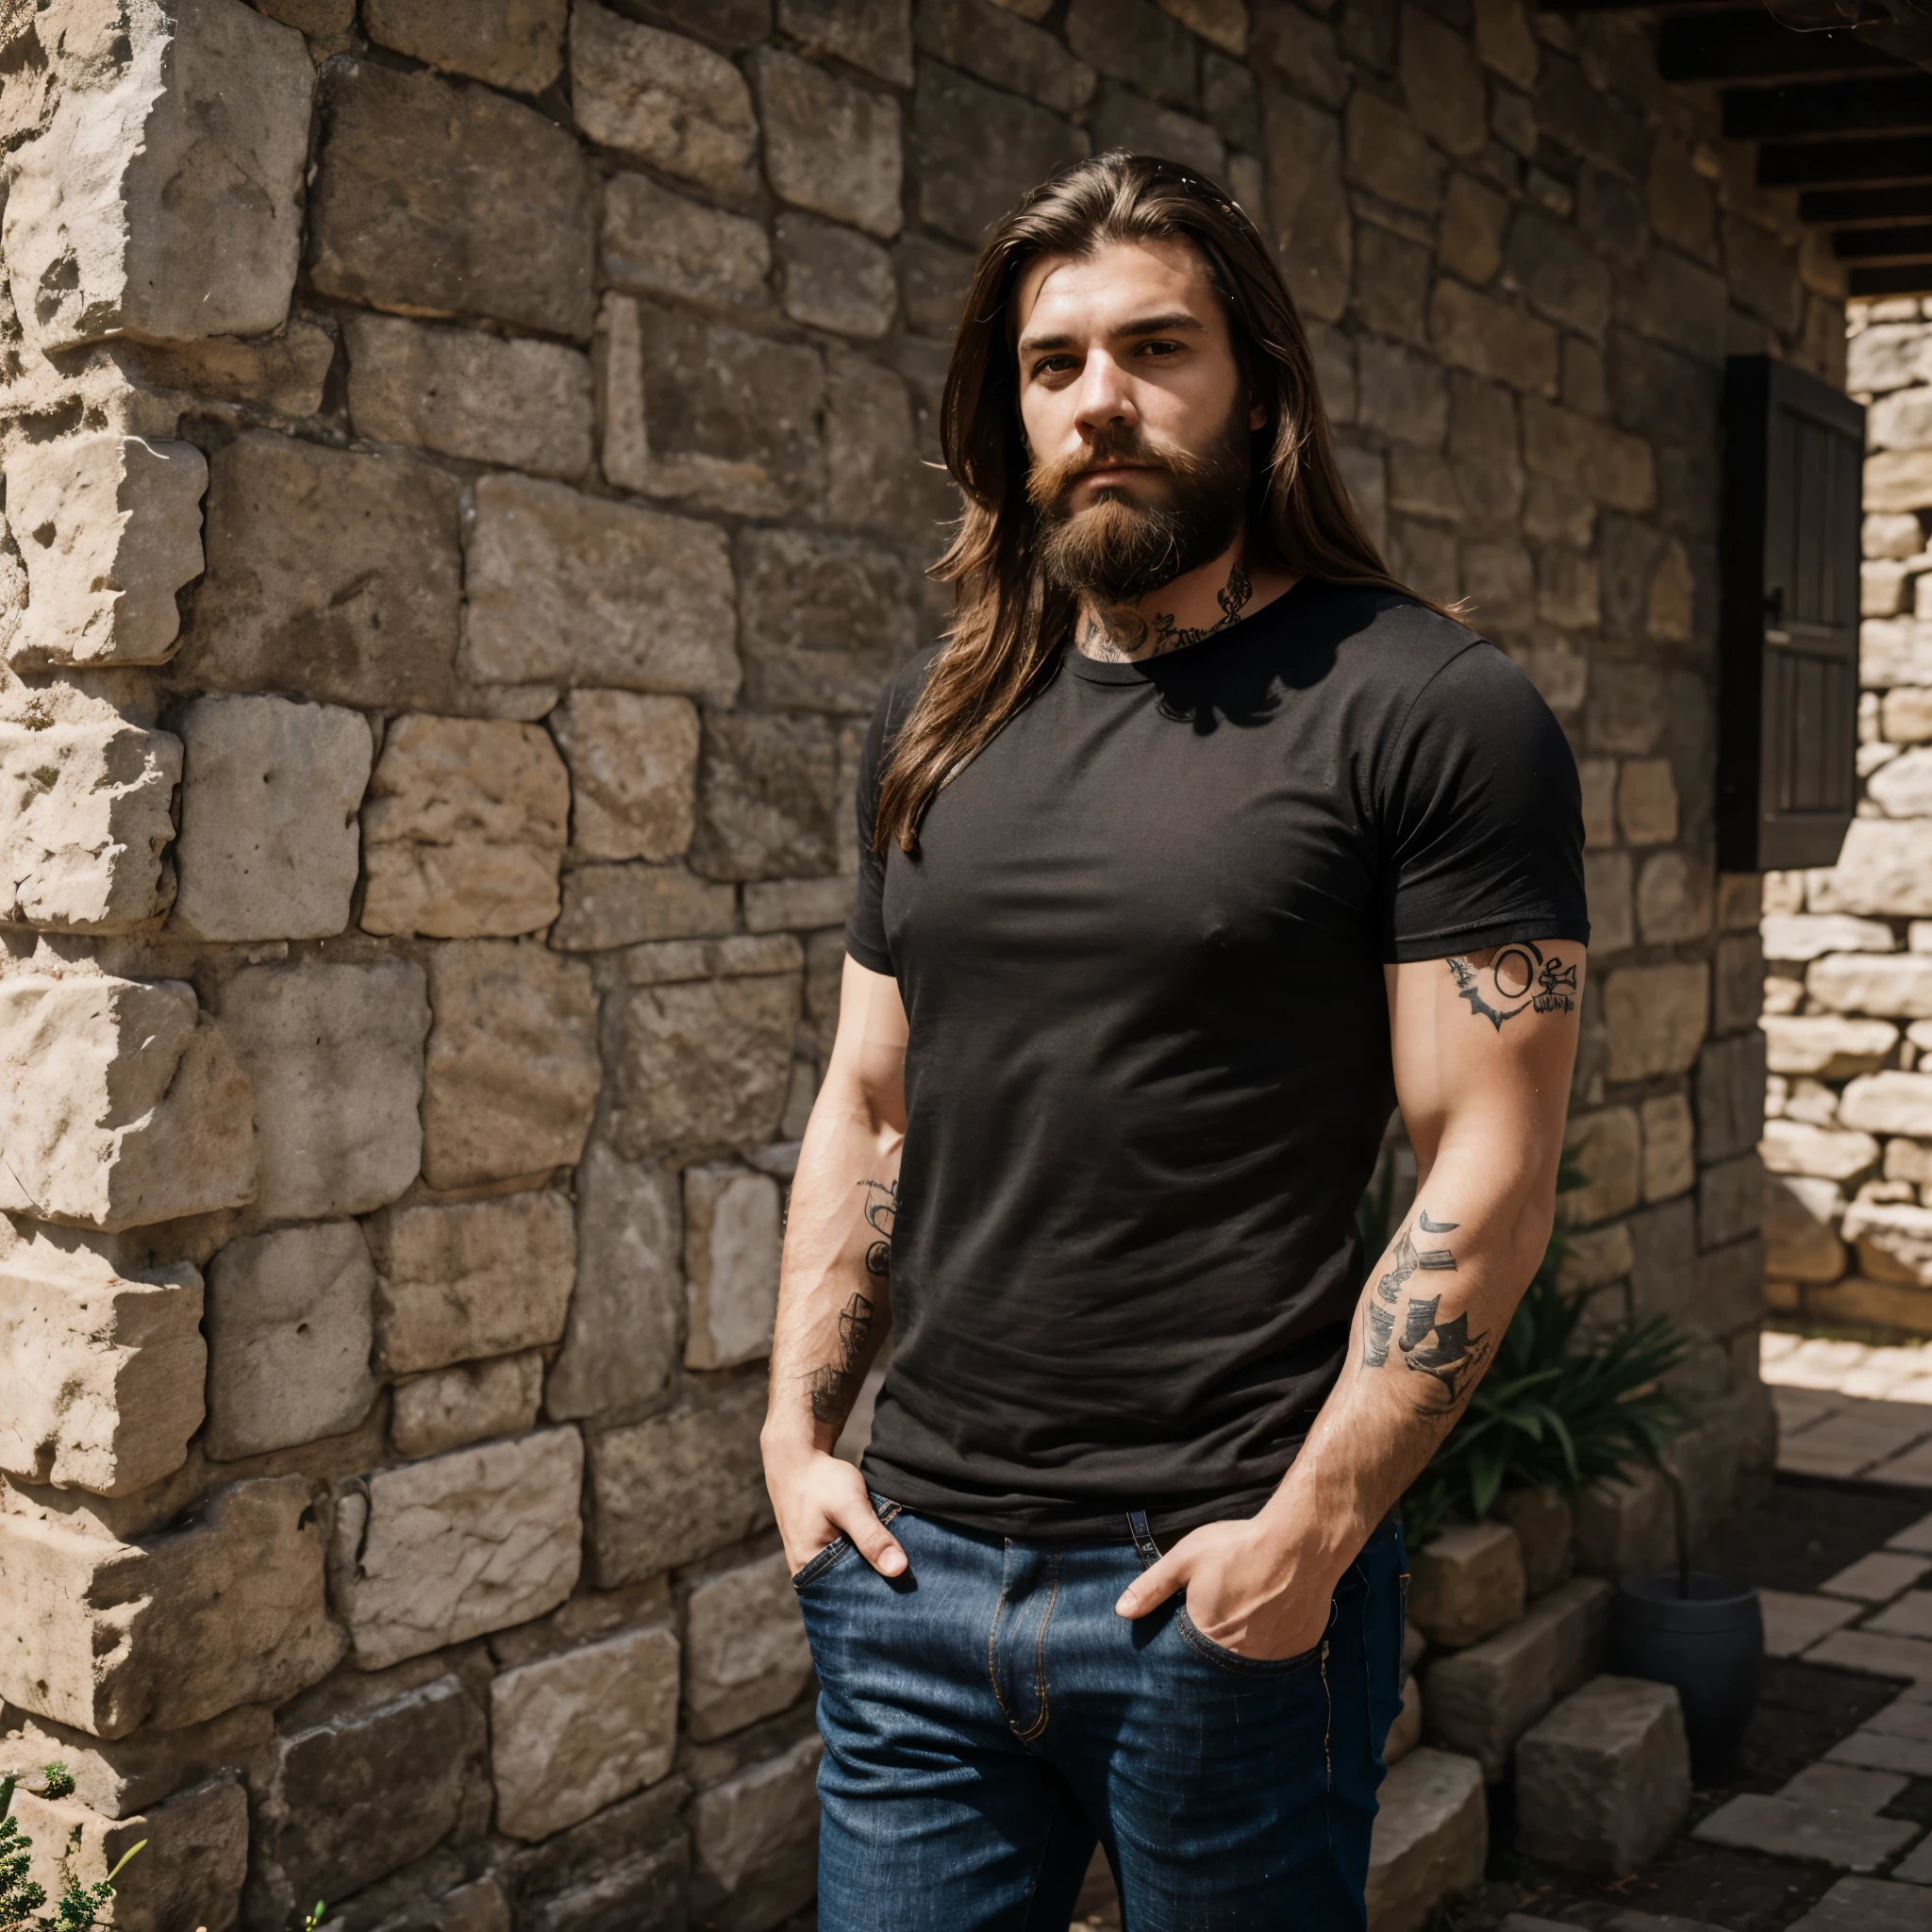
<point x="1520" y="979"/>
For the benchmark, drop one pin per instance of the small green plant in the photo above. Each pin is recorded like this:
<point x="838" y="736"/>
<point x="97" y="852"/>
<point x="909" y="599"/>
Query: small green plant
<point x="79" y="1906"/>
<point x="1552" y="1411"/>
<point x="300" y="1921"/>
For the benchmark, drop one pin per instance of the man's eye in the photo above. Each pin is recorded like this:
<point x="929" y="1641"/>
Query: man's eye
<point x="1052" y="365"/>
<point x="1160" y="348"/>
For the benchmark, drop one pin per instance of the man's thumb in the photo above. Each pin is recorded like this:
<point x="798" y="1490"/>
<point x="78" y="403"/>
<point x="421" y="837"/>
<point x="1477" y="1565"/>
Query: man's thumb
<point x="1152" y="1587"/>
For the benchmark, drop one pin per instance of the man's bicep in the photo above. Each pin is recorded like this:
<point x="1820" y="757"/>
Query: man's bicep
<point x="1484" y="1043"/>
<point x="869" y="1049"/>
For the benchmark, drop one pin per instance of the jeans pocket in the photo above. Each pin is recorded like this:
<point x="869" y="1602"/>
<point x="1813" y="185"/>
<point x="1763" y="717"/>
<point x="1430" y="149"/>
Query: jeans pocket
<point x="840" y="1546"/>
<point x="1249" y="1666"/>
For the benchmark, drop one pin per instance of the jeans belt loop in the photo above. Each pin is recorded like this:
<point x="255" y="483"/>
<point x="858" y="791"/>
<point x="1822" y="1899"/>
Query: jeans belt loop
<point x="1143" y="1536"/>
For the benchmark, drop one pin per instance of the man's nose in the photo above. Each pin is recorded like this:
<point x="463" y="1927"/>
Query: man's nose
<point x="1103" y="398"/>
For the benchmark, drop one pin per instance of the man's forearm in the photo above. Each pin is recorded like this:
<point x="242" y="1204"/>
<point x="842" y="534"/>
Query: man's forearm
<point x="1425" y="1330"/>
<point x="834" y="1294"/>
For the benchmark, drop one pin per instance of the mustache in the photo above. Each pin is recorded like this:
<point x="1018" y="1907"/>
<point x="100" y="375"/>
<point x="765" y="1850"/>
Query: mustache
<point x="1050" y="479"/>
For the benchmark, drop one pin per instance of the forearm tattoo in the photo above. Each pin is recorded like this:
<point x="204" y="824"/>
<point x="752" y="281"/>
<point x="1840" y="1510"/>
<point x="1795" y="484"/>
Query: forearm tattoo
<point x="1431" y="1343"/>
<point x="1516" y="978"/>
<point x="833" y="1388"/>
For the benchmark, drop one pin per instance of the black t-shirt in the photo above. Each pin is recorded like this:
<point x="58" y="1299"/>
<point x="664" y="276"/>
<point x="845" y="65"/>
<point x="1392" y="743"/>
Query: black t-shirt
<point x="1148" y="1070"/>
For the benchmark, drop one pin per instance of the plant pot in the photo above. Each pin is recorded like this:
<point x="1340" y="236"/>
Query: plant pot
<point x="1709" y="1646"/>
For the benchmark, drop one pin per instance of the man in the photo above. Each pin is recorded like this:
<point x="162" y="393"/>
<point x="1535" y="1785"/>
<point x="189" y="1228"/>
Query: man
<point x="1196" y="845"/>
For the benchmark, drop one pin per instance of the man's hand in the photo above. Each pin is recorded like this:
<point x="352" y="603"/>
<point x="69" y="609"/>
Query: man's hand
<point x="818" y="1499"/>
<point x="1244" y="1591"/>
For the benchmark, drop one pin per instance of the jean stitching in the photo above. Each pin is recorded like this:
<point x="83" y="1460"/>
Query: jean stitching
<point x="1033" y="1730"/>
<point x="993" y="1675"/>
<point x="1327" y="1726"/>
<point x="838" y="1547"/>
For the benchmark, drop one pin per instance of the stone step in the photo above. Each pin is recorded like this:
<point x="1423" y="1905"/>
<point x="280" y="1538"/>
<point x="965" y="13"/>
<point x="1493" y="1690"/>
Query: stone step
<point x="1432" y="1838"/>
<point x="1870" y="1905"/>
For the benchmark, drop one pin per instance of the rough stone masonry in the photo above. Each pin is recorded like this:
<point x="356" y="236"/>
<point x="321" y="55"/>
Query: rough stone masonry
<point x="467" y="475"/>
<point x="1848" y="995"/>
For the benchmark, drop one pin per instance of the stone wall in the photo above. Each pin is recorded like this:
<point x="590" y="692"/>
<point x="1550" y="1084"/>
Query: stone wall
<point x="1848" y="948"/>
<point x="464" y="485"/>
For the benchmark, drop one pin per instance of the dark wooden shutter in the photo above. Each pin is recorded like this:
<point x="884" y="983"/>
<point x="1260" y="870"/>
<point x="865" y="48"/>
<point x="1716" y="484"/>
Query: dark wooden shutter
<point x="1787" y="681"/>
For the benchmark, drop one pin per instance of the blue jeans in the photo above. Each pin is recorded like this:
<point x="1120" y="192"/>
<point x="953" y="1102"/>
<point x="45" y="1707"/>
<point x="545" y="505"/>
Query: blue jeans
<point x="987" y="1717"/>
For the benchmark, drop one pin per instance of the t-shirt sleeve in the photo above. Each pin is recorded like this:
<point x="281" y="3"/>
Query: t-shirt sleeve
<point x="865" y="931"/>
<point x="1482" y="817"/>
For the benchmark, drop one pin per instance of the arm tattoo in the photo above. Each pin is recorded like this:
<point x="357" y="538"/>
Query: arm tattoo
<point x="1521" y="980"/>
<point x="834" y="1388"/>
<point x="1119" y="632"/>
<point x="1431" y="1343"/>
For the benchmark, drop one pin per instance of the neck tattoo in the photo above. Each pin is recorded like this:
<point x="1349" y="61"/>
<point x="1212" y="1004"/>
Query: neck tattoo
<point x="1119" y="634"/>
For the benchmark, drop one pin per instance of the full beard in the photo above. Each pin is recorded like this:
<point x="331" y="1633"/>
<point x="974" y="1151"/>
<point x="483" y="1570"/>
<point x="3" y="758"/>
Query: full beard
<point x="1118" y="550"/>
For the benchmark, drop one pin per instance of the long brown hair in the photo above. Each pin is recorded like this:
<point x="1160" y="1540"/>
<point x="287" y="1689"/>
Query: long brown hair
<point x="1009" y="622"/>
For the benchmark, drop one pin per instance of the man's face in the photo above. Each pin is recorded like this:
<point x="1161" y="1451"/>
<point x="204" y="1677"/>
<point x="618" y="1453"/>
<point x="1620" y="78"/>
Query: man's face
<point x="1136" y="414"/>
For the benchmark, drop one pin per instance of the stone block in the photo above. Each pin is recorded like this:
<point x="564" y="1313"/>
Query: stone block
<point x="337" y="1818"/>
<point x="1546" y="1527"/>
<point x="464" y="830"/>
<point x="755" y="1840"/>
<point x="100" y="1372"/>
<point x="126" y="210"/>
<point x="1401" y="392"/>
<point x="109" y="528"/>
<point x="695" y="409"/>
<point x="333" y="575"/>
<point x="282" y="373"/>
<point x="1625" y="1526"/>
<point x="470" y="1403"/>
<point x="655" y="242"/>
<point x="1472" y="224"/>
<point x="1730" y="1096"/>
<point x="624" y="1340"/>
<point x="1608" y="892"/>
<point x="998" y="47"/>
<point x="798" y="905"/>
<point x="465" y="392"/>
<point x="1903" y="787"/>
<point x="873" y="474"/>
<point x="663" y="98"/>
<point x="289" y="1333"/>
<point x="1443" y="85"/>
<point x="672" y="1489"/>
<point x="334" y="1054"/>
<point x="767" y="798"/>
<point x="512" y="1074"/>
<point x="878" y="38"/>
<point x="191" y="1870"/>
<point x="1431" y="1839"/>
<point x="1906" y="718"/>
<point x="1892" y="653"/>
<point x="606" y="905"/>
<point x="85" y="820"/>
<point x="171" y="1630"/>
<point x="745" y="1653"/>
<point x="437" y="198"/>
<point x="572" y="1734"/>
<point x="482" y="1906"/>
<point x="473" y="1280"/>
<point x="634" y="768"/>
<point x="269" y="796"/>
<point x="1887" y="1103"/>
<point x="703" y="1066"/>
<point x="1122" y="117"/>
<point x="1492" y="339"/>
<point x="1895" y="1241"/>
<point x="1800" y="1241"/>
<point x="1669" y="1167"/>
<point x="576" y="590"/>
<point x="1897" y="480"/>
<point x="1897" y="984"/>
<point x="437" y="1552"/>
<point x="1482" y="1699"/>
<point x="830" y="146"/>
<point x="1604" y="1147"/>
<point x="1604" y="1781"/>
<point x="832" y="277"/>
<point x="1826" y="1046"/>
<point x="1466" y="1581"/>
<point x="732" y="1234"/>
<point x="516" y="44"/>
<point x="1134" y="42"/>
<point x="1406" y="1733"/>
<point x="826" y="620"/>
<point x="1737" y="982"/>
<point x="1798" y="1147"/>
<point x="1308" y="206"/>
<point x="1605" y="463"/>
<point x="977" y="149"/>
<point x="1885" y="867"/>
<point x="119" y="1103"/>
<point x="1657" y="1017"/>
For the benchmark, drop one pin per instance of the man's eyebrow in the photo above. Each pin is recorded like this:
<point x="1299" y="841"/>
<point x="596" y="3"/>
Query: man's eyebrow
<point x="1143" y="325"/>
